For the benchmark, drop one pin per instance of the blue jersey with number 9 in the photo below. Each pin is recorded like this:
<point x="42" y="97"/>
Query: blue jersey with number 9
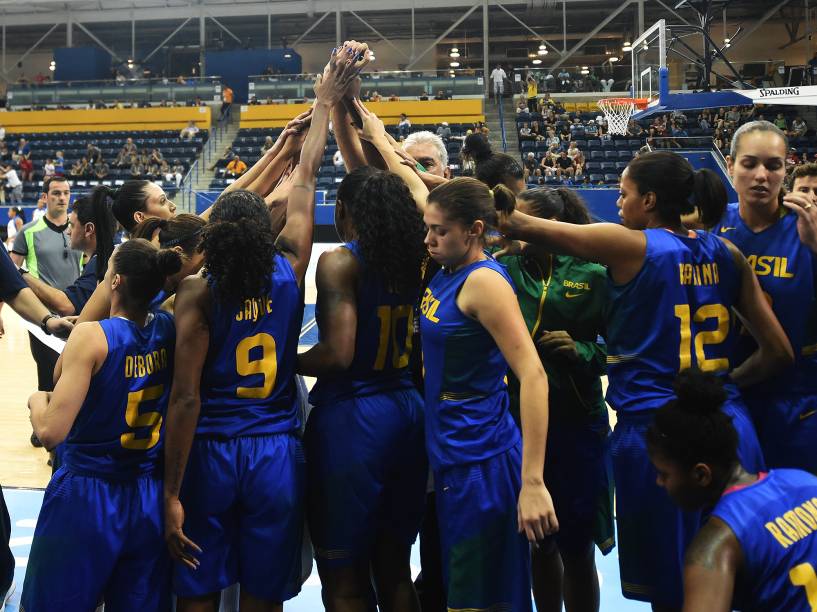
<point x="385" y="322"/>
<point x="674" y="315"/>
<point x="775" y="522"/>
<point x="248" y="380"/>
<point x="117" y="432"/>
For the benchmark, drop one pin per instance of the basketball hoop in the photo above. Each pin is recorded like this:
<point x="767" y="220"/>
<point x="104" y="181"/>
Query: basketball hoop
<point x="617" y="112"/>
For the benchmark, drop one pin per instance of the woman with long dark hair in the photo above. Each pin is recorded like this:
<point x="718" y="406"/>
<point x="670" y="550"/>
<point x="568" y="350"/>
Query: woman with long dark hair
<point x="364" y="513"/>
<point x="672" y="297"/>
<point x="234" y="470"/>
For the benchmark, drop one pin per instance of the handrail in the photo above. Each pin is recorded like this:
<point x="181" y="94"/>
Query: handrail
<point x="502" y="125"/>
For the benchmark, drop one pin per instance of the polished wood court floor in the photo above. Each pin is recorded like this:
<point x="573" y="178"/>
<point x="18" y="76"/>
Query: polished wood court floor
<point x="21" y="465"/>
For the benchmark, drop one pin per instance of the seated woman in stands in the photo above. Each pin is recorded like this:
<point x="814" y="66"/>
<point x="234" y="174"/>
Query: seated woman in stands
<point x="80" y="168"/>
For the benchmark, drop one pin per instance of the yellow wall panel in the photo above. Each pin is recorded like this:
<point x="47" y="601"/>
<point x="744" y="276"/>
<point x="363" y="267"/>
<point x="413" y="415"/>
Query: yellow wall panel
<point x="103" y="120"/>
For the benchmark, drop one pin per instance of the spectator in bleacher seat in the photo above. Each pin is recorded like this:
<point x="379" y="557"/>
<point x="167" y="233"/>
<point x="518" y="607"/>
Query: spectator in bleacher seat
<point x="444" y="131"/>
<point x="17" y="219"/>
<point x="137" y="169"/>
<point x="424" y="96"/>
<point x="780" y="122"/>
<point x="101" y="170"/>
<point x="156" y="156"/>
<point x="2" y="133"/>
<point x="144" y="158"/>
<point x="703" y="123"/>
<point x="189" y="131"/>
<point x="530" y="162"/>
<point x="93" y="153"/>
<point x="236" y="167"/>
<point x="40" y="210"/>
<point x="578" y="162"/>
<point x="552" y="138"/>
<point x="5" y="153"/>
<point x="26" y="167"/>
<point x="658" y="127"/>
<point x="394" y="98"/>
<point x="48" y="169"/>
<point x="522" y="105"/>
<point x="12" y="183"/>
<point x="375" y="97"/>
<point x="565" y="165"/>
<point x="429" y="151"/>
<point x="80" y="168"/>
<point x="440" y="95"/>
<point x="733" y="115"/>
<point x="366" y="96"/>
<point x="718" y="140"/>
<point x="792" y="158"/>
<point x="123" y="159"/>
<point x="268" y="144"/>
<point x="798" y="128"/>
<point x="572" y="149"/>
<point x="21" y="150"/>
<point x="532" y="91"/>
<point x="563" y="80"/>
<point x="59" y="164"/>
<point x="591" y="128"/>
<point x="177" y="171"/>
<point x="153" y="171"/>
<point x="404" y="125"/>
<point x="337" y="159"/>
<point x="526" y="133"/>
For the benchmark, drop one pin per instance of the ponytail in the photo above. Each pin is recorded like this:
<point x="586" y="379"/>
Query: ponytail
<point x="125" y="202"/>
<point x="710" y="196"/>
<point x="182" y="231"/>
<point x="504" y="199"/>
<point x="97" y="210"/>
<point x="466" y="200"/>
<point x="562" y="204"/>
<point x="144" y="270"/>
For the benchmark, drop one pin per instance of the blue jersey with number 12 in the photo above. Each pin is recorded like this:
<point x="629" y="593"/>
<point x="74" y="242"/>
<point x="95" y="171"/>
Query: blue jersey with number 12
<point x="117" y="432"/>
<point x="675" y="314"/>
<point x="385" y="321"/>
<point x="775" y="522"/>
<point x="248" y="380"/>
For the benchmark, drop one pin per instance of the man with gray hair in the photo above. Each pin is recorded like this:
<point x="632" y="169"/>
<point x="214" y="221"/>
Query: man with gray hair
<point x="428" y="150"/>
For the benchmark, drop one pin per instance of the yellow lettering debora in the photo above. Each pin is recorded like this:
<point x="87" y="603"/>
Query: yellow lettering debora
<point x="137" y="366"/>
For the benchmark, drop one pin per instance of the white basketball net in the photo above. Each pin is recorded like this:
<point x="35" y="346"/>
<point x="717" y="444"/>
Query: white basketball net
<point x="617" y="112"/>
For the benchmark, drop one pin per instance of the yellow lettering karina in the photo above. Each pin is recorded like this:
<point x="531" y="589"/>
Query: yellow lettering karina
<point x="429" y="306"/>
<point x="698" y="274"/>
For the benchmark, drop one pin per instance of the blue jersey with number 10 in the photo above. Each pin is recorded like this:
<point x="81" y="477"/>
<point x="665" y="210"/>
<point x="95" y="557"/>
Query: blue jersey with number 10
<point x="775" y="522"/>
<point x="675" y="314"/>
<point x="117" y="432"/>
<point x="248" y="380"/>
<point x="385" y="321"/>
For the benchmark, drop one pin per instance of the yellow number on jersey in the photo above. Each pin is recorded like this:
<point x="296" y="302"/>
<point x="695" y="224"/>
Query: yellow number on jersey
<point x="266" y="365"/>
<point x="701" y="339"/>
<point x="803" y="575"/>
<point x="389" y="320"/>
<point x="137" y="420"/>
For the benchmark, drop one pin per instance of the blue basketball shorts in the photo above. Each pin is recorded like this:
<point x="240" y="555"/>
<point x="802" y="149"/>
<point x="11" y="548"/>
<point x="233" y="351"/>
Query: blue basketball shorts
<point x="244" y="501"/>
<point x="486" y="561"/>
<point x="95" y="539"/>
<point x="367" y="473"/>
<point x="787" y="429"/>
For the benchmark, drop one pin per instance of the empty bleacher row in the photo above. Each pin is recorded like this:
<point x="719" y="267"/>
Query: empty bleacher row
<point x="248" y="142"/>
<point x="74" y="146"/>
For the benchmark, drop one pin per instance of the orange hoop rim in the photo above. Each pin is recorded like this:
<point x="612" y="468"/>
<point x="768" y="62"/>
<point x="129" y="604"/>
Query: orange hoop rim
<point x="639" y="103"/>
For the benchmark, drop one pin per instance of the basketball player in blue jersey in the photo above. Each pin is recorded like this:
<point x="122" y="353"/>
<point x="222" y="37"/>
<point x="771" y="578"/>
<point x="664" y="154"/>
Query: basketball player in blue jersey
<point x="757" y="551"/>
<point x="234" y="468"/>
<point x="672" y="293"/>
<point x="99" y="536"/>
<point x="364" y="439"/>
<point x="761" y="225"/>
<point x="489" y="486"/>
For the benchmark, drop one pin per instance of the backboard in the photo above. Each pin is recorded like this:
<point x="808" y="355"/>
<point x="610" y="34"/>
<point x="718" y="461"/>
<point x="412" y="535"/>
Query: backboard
<point x="650" y="75"/>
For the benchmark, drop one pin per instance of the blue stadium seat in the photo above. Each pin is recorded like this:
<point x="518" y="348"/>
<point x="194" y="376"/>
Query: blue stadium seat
<point x="611" y="178"/>
<point x="609" y="154"/>
<point x="620" y="166"/>
<point x="596" y="154"/>
<point x="625" y="154"/>
<point x="595" y="178"/>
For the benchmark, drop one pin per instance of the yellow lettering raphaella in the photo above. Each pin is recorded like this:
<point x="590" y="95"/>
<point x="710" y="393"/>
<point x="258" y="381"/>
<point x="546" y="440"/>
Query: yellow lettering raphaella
<point x="796" y="524"/>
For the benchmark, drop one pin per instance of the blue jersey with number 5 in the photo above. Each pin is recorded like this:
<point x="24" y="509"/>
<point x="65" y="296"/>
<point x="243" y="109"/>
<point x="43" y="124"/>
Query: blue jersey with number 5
<point x="385" y="321"/>
<point x="675" y="314"/>
<point x="248" y="380"/>
<point x="775" y="522"/>
<point x="117" y="432"/>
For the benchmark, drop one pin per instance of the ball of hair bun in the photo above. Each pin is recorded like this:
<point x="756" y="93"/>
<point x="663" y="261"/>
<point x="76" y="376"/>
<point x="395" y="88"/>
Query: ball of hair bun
<point x="478" y="147"/>
<point x="699" y="392"/>
<point x="168" y="262"/>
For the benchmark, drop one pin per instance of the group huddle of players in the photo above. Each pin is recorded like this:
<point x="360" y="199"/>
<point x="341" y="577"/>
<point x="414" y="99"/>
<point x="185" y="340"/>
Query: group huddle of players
<point x="186" y="467"/>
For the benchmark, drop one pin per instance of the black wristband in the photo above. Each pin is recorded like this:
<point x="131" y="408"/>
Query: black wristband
<point x="44" y="322"/>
